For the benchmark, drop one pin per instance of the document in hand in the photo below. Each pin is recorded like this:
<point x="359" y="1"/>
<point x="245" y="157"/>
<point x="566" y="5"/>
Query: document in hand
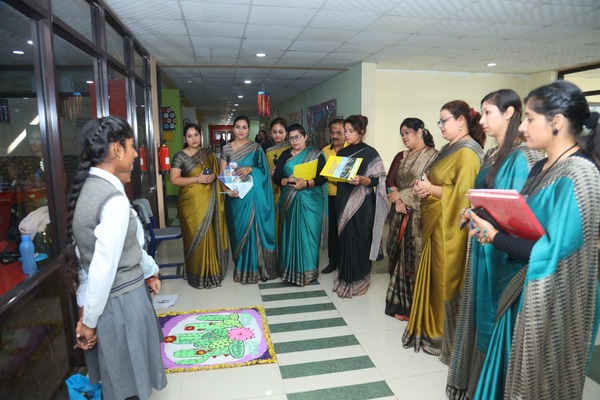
<point x="307" y="170"/>
<point x="230" y="179"/>
<point x="341" y="169"/>
<point x="509" y="209"/>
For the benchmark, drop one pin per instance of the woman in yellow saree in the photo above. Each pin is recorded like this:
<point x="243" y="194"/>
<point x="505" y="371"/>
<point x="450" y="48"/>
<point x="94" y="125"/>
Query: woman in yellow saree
<point x="440" y="273"/>
<point x="201" y="212"/>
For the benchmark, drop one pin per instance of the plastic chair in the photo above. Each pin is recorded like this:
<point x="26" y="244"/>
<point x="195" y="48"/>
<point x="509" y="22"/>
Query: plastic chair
<point x="155" y="235"/>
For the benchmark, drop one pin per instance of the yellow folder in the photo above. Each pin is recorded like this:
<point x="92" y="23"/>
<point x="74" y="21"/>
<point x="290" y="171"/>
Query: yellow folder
<point x="307" y="170"/>
<point x="341" y="169"/>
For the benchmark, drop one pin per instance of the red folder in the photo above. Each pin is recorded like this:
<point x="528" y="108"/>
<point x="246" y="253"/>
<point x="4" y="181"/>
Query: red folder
<point x="509" y="209"/>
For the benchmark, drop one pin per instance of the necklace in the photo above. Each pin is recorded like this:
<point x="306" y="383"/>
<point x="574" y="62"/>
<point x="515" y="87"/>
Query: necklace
<point x="535" y="181"/>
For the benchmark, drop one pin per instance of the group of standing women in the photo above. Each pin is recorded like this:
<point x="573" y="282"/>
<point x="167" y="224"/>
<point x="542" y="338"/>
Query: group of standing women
<point x="280" y="209"/>
<point x="498" y="309"/>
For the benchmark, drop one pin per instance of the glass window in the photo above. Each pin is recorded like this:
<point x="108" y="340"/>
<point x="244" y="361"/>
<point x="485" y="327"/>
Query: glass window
<point x="117" y="93"/>
<point x="76" y="101"/>
<point x="77" y="13"/>
<point x="115" y="44"/>
<point x="139" y="65"/>
<point x="143" y="140"/>
<point x="22" y="175"/>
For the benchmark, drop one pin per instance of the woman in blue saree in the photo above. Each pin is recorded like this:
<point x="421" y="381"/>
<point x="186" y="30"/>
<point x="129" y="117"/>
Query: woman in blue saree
<point x="505" y="166"/>
<point x="251" y="218"/>
<point x="301" y="207"/>
<point x="543" y="336"/>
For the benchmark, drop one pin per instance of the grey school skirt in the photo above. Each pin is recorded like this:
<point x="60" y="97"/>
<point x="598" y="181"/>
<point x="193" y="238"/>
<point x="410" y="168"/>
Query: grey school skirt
<point x="127" y="359"/>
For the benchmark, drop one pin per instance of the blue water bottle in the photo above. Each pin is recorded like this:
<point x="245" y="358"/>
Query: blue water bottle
<point x="27" y="255"/>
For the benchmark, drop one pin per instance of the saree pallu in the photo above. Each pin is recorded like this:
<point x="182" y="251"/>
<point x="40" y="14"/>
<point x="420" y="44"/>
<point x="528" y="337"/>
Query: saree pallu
<point x="404" y="237"/>
<point x="361" y="215"/>
<point x="302" y="213"/>
<point x="440" y="273"/>
<point x="251" y="220"/>
<point x="544" y="335"/>
<point x="201" y="212"/>
<point x="487" y="275"/>
<point x="272" y="154"/>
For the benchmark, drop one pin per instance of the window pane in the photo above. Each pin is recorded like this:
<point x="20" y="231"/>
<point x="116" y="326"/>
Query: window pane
<point x="139" y="64"/>
<point x="76" y="98"/>
<point x="76" y="13"/>
<point x="22" y="172"/>
<point x="115" y="45"/>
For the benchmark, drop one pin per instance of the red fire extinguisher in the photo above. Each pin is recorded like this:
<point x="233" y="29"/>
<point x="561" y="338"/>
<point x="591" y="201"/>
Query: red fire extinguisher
<point x="163" y="158"/>
<point x="143" y="158"/>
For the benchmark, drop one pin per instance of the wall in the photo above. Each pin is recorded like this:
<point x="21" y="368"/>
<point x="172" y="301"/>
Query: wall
<point x="345" y="87"/>
<point x="401" y="94"/>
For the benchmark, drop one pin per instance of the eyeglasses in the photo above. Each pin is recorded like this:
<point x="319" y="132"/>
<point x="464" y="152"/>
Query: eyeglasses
<point x="443" y="121"/>
<point x="295" y="138"/>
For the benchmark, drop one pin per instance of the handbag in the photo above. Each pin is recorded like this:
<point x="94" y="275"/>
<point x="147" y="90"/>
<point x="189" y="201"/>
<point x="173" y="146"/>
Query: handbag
<point x="80" y="388"/>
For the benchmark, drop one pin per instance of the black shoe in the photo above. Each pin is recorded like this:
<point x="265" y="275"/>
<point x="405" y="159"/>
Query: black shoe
<point x="329" y="269"/>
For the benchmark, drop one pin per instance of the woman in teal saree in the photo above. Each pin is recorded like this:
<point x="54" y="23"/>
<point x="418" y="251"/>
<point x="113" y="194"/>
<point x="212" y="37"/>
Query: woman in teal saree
<point x="302" y="207"/>
<point x="488" y="270"/>
<point x="548" y="317"/>
<point x="251" y="218"/>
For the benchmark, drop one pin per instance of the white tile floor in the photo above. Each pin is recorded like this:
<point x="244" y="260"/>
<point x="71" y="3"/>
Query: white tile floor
<point x="408" y="374"/>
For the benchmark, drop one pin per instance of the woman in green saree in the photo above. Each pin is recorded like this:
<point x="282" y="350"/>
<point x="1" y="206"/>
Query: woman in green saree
<point x="302" y="209"/>
<point x="201" y="212"/>
<point x="548" y="318"/>
<point x="440" y="274"/>
<point x="251" y="218"/>
<point x="488" y="270"/>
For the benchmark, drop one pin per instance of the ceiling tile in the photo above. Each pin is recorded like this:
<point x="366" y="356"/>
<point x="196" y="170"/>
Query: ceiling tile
<point x="272" y="31"/>
<point x="215" y="29"/>
<point x="292" y="16"/>
<point x="199" y="11"/>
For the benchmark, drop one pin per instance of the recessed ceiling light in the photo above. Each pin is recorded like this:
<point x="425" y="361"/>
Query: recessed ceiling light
<point x="240" y="96"/>
<point x="189" y="81"/>
<point x="19" y="52"/>
<point x="236" y="104"/>
<point x="261" y="54"/>
<point x="233" y="109"/>
<point x="30" y="42"/>
<point x="247" y="81"/>
<point x="89" y="82"/>
<point x="491" y="64"/>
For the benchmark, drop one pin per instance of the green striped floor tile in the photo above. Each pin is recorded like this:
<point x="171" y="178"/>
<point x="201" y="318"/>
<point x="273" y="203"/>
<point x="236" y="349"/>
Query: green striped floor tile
<point x="294" y="295"/>
<point x="366" y="391"/>
<point x="277" y="285"/>
<point x="271" y="312"/>
<point x="325" y="367"/>
<point x="304" y="325"/>
<point x="315" y="344"/>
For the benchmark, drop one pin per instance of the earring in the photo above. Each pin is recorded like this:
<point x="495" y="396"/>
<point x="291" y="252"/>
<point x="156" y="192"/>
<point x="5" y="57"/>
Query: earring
<point x="554" y="131"/>
<point x="420" y="137"/>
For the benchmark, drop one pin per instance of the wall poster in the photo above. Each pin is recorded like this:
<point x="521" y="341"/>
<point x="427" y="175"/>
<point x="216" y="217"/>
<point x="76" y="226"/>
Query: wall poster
<point x="317" y="120"/>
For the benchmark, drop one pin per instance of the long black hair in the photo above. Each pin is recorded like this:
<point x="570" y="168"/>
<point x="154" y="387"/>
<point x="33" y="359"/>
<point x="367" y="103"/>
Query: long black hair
<point x="563" y="97"/>
<point x="503" y="99"/>
<point x="96" y="137"/>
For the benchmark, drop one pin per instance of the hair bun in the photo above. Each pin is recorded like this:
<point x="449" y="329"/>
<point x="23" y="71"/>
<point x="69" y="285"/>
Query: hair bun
<point x="592" y="121"/>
